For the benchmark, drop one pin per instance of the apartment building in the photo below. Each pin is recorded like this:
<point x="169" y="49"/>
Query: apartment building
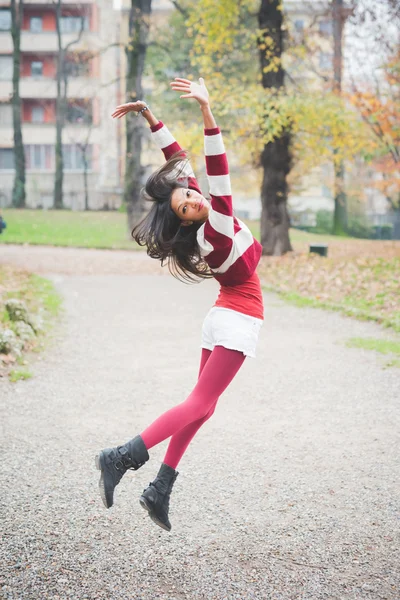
<point x="90" y="31"/>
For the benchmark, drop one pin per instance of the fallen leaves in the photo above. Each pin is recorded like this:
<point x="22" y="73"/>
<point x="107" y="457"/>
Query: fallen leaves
<point x="359" y="275"/>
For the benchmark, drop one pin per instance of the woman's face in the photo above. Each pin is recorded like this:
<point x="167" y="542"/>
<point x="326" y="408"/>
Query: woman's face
<point x="189" y="206"/>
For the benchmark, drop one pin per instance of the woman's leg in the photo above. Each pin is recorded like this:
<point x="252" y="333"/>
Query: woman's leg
<point x="205" y="355"/>
<point x="218" y="372"/>
<point x="181" y="440"/>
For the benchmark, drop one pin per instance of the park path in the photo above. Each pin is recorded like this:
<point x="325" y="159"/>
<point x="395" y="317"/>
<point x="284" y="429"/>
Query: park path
<point x="290" y="491"/>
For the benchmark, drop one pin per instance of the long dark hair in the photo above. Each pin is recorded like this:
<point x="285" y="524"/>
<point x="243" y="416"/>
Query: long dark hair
<point x="161" y="231"/>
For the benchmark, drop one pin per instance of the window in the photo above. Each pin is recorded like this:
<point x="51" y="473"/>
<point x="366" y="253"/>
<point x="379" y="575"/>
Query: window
<point x="73" y="157"/>
<point x="325" y="60"/>
<point x="39" y="157"/>
<point x="5" y="20"/>
<point x="76" y="68"/>
<point x="5" y="115"/>
<point x="6" y="159"/>
<point x="36" y="24"/>
<point x="37" y="115"/>
<point x="326" y="191"/>
<point x="326" y="27"/>
<point x="6" y="68"/>
<point x="299" y="25"/>
<point x="74" y="24"/>
<point x="78" y="114"/>
<point x="36" y="68"/>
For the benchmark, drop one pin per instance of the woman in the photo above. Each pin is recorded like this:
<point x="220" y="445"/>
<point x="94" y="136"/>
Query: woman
<point x="197" y="239"/>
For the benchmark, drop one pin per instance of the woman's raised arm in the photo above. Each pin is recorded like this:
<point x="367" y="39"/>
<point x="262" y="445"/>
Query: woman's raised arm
<point x="160" y="135"/>
<point x="215" y="155"/>
<point x="139" y="107"/>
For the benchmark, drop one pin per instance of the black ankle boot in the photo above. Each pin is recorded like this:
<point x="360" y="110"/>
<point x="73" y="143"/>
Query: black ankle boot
<point x="114" y="463"/>
<point x="155" y="498"/>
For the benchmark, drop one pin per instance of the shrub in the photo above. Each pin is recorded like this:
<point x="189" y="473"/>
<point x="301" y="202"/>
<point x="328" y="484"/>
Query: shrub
<point x="324" y="221"/>
<point x="358" y="227"/>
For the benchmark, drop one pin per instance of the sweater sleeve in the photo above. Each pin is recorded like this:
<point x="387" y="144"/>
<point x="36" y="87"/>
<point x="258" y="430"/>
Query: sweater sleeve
<point x="218" y="172"/>
<point x="226" y="243"/>
<point x="218" y="232"/>
<point x="164" y="139"/>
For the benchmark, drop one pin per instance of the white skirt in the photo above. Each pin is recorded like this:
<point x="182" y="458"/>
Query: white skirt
<point x="232" y="330"/>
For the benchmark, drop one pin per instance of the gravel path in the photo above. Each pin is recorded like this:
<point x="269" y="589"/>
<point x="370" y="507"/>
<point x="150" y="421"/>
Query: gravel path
<point x="290" y="491"/>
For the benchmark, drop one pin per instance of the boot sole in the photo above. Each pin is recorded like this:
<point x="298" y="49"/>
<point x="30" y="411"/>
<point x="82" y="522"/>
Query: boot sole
<point x="98" y="463"/>
<point x="144" y="504"/>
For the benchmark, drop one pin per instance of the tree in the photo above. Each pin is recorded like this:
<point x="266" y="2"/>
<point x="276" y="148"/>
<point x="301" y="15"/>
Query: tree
<point x="84" y="147"/>
<point x="227" y="40"/>
<point x="18" y="192"/>
<point x="276" y="155"/>
<point x="139" y="26"/>
<point x="340" y="212"/>
<point x="61" y="103"/>
<point x="269" y="125"/>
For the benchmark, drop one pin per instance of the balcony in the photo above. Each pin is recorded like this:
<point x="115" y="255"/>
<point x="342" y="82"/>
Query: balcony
<point x="46" y="133"/>
<point x="47" y="42"/>
<point x="32" y="87"/>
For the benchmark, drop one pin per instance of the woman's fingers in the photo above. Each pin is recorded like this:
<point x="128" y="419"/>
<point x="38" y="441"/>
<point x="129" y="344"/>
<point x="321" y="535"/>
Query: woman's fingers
<point x="119" y="113"/>
<point x="185" y="86"/>
<point x="181" y="89"/>
<point x="187" y="96"/>
<point x="183" y="80"/>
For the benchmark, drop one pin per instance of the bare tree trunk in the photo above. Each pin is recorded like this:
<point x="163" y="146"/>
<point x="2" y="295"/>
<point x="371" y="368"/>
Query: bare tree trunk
<point x="139" y="26"/>
<point x="85" y="178"/>
<point x="18" y="192"/>
<point x="340" y="213"/>
<point x="60" y="115"/>
<point x="275" y="158"/>
<point x="61" y="104"/>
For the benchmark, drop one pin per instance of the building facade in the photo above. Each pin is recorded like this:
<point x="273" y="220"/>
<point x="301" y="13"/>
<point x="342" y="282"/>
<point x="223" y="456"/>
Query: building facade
<point x="90" y="34"/>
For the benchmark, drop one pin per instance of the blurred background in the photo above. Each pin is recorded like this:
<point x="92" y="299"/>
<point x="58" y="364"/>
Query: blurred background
<point x="307" y="94"/>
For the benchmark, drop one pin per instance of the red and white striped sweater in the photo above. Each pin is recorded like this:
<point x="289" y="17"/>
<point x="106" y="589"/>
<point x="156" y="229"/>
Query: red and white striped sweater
<point x="226" y="243"/>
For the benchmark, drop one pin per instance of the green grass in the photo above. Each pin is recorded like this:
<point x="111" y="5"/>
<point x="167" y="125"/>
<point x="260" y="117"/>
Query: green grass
<point x="40" y="297"/>
<point x="93" y="229"/>
<point x="382" y="346"/>
<point x="387" y="347"/>
<point x="349" y="307"/>
<point x="45" y="291"/>
<point x="67" y="228"/>
<point x="18" y="374"/>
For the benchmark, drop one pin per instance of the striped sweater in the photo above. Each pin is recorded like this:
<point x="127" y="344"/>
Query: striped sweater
<point x="225" y="242"/>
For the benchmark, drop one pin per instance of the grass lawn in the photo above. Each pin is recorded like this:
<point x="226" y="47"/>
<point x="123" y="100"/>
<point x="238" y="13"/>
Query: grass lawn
<point x="67" y="228"/>
<point x="359" y="278"/>
<point x="95" y="229"/>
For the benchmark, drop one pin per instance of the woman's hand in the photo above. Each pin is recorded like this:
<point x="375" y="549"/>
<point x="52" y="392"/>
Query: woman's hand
<point x="190" y="89"/>
<point x="124" y="109"/>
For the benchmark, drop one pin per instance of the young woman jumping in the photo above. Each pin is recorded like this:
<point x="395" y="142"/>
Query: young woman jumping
<point x="198" y="239"/>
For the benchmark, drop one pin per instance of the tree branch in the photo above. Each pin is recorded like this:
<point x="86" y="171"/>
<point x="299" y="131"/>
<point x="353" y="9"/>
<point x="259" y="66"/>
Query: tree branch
<point x="178" y="7"/>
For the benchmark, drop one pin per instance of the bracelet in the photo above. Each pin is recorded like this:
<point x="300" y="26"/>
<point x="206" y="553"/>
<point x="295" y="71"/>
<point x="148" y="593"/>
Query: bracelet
<point x="139" y="112"/>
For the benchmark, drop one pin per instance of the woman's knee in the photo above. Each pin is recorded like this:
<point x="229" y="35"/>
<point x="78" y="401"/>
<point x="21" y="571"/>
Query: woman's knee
<point x="210" y="412"/>
<point x="202" y="410"/>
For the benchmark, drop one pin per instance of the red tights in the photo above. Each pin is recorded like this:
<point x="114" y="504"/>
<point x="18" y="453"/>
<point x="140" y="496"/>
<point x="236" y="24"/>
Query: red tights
<point x="217" y="369"/>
